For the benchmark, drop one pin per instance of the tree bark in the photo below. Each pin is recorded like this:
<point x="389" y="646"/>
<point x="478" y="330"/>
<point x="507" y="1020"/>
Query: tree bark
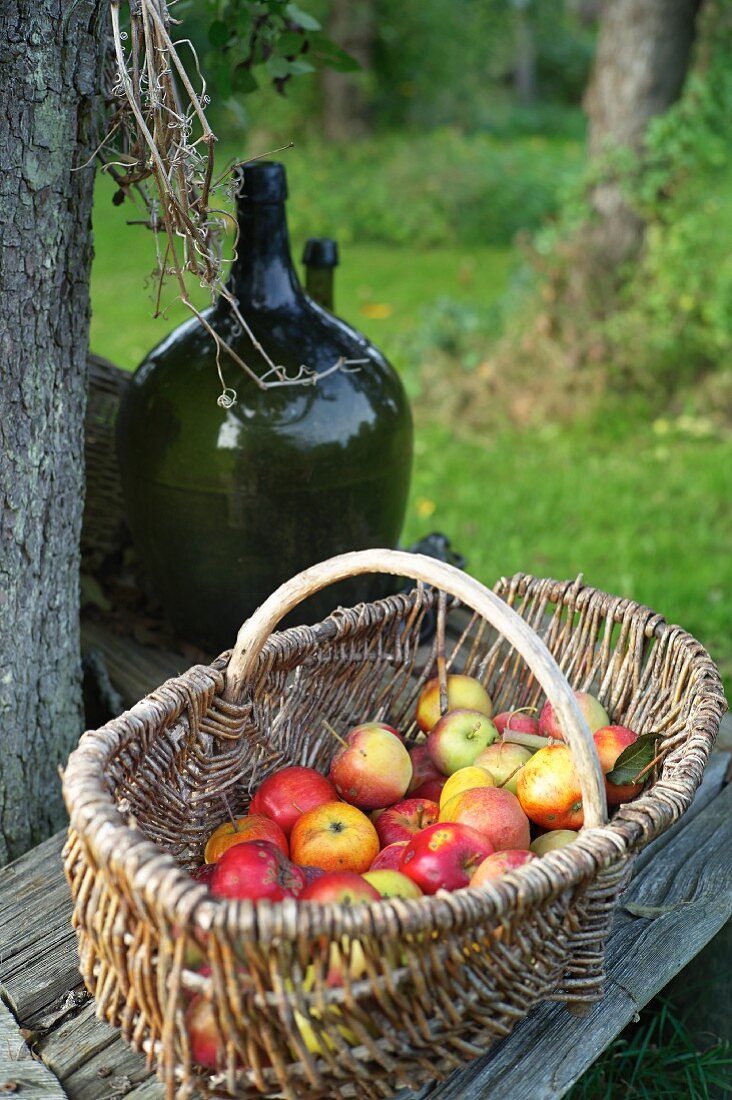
<point x="643" y="53"/>
<point x="50" y="53"/>
<point x="346" y="112"/>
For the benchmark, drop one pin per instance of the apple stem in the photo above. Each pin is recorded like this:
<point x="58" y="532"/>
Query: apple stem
<point x="298" y="808"/>
<point x="232" y="819"/>
<point x="510" y="777"/>
<point x="520" y="710"/>
<point x="528" y="740"/>
<point x="334" y="732"/>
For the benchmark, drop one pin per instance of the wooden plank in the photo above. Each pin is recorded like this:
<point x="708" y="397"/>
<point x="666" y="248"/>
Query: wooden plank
<point x="135" y="670"/>
<point x="20" y="1072"/>
<point x="90" y="1059"/>
<point x="686" y="894"/>
<point x="38" y="961"/>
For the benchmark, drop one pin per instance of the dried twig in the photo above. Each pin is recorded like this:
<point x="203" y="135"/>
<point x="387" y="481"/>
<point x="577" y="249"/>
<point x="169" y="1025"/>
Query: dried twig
<point x="153" y="109"/>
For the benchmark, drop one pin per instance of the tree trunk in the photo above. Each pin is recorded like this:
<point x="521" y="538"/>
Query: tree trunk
<point x="524" y="77"/>
<point x="345" y="106"/>
<point x="643" y="53"/>
<point x="51" y="63"/>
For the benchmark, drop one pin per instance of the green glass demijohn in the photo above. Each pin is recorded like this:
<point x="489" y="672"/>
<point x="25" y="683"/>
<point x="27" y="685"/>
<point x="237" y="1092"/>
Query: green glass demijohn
<point x="227" y="503"/>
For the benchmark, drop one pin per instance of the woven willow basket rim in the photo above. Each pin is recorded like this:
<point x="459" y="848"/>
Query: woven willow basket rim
<point x="154" y="875"/>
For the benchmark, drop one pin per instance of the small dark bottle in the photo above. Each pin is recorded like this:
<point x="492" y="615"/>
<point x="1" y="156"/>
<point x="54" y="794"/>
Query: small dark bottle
<point x="320" y="257"/>
<point x="227" y="503"/>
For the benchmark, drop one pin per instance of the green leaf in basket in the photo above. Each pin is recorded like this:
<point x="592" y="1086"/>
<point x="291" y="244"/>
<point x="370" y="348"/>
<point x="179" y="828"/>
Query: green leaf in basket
<point x="633" y="760"/>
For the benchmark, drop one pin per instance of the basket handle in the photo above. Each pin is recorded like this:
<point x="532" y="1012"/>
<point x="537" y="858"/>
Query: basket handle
<point x="454" y="582"/>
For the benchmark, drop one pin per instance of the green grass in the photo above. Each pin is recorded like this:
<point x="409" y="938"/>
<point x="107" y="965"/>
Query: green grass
<point x="381" y="290"/>
<point x="641" y="510"/>
<point x="641" y="515"/>
<point x="657" y="1059"/>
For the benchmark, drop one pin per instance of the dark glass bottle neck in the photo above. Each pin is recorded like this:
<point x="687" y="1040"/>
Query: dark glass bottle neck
<point x="319" y="285"/>
<point x="263" y="276"/>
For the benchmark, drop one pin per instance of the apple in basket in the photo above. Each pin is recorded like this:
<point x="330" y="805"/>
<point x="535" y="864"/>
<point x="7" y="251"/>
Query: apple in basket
<point x="504" y="762"/>
<point x="549" y="790"/>
<point x="463" y="692"/>
<point x="251" y="827"/>
<point x="610" y="742"/>
<point x="290" y="792"/>
<point x="256" y="869"/>
<point x="555" y="838"/>
<point x="388" y="858"/>
<point x="500" y="863"/>
<point x="372" y="769"/>
<point x="458" y="737"/>
<point x="392" y="884"/>
<point x="493" y="812"/>
<point x="207" y="1048"/>
<point x="463" y="780"/>
<point x="402" y="820"/>
<point x="336" y="837"/>
<point x="431" y="789"/>
<point x="444" y="856"/>
<point x="594" y="714"/>
<point x="423" y="768"/>
<point x="341" y="887"/>
<point x="516" y="721"/>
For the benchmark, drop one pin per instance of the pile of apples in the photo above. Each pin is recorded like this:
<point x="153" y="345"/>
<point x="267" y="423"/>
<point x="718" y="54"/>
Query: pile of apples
<point x="456" y="809"/>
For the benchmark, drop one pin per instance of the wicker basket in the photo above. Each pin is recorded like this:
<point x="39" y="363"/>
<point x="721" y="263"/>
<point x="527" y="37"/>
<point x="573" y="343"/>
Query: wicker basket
<point x="446" y="975"/>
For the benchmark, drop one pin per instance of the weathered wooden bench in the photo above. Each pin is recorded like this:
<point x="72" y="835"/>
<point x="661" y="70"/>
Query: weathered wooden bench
<point x="53" y="1046"/>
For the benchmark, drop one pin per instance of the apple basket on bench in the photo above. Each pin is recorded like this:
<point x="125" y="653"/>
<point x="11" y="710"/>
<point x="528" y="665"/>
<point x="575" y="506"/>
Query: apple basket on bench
<point x="441" y="976"/>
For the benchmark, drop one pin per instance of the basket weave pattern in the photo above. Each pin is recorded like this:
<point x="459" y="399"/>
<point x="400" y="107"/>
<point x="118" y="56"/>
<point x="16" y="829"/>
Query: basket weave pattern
<point x="445" y="975"/>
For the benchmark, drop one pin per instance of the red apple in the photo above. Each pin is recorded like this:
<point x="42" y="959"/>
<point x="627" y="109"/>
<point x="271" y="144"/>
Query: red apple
<point x="610" y="741"/>
<point x="203" y="873"/>
<point x="458" y="737"/>
<point x="389" y="857"/>
<point x="494" y="813"/>
<point x="423" y="769"/>
<point x="343" y="887"/>
<point x="256" y="869"/>
<point x="207" y="1047"/>
<point x="499" y="864"/>
<point x="372" y="769"/>
<point x="444" y="857"/>
<point x="251" y="827"/>
<point x="463" y="692"/>
<point x="310" y="873"/>
<point x="431" y="790"/>
<point x="385" y="726"/>
<point x="336" y="837"/>
<point x="403" y="819"/>
<point x="516" y="720"/>
<point x="549" y="789"/>
<point x="289" y="792"/>
<point x="594" y="713"/>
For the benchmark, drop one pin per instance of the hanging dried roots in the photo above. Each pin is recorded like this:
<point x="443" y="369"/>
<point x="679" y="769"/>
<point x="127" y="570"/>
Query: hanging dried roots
<point x="159" y="147"/>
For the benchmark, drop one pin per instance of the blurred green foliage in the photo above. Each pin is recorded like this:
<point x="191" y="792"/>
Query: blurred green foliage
<point x="435" y="63"/>
<point x="427" y="190"/>
<point x="669" y="322"/>
<point x="454" y="63"/>
<point x="677" y="301"/>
